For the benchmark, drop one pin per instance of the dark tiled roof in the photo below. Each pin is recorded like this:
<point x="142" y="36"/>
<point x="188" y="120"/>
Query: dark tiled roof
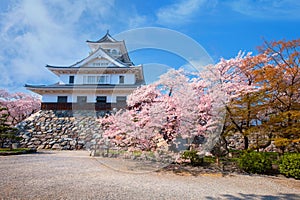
<point x="106" y="38"/>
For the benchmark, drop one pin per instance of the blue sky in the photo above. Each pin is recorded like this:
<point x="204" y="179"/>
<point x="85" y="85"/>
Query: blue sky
<point x="34" y="33"/>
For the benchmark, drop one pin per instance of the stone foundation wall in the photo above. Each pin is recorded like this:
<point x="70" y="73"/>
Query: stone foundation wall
<point x="68" y="130"/>
<point x="236" y="142"/>
<point x="60" y="130"/>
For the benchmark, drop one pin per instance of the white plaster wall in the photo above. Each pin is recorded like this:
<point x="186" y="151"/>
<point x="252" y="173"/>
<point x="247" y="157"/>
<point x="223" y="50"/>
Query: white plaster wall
<point x="114" y="97"/>
<point x="72" y="98"/>
<point x="128" y="78"/>
<point x="108" y="98"/>
<point x="113" y="78"/>
<point x="78" y="79"/>
<point x="64" y="78"/>
<point x="50" y="98"/>
<point x="91" y="98"/>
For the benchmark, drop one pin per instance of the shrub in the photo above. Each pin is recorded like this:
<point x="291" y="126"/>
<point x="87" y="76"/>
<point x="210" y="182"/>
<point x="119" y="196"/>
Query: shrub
<point x="193" y="157"/>
<point x="290" y="165"/>
<point x="255" y="162"/>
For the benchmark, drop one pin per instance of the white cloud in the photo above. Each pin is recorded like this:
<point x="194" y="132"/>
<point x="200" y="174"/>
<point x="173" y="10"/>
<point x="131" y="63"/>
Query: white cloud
<point x="36" y="33"/>
<point x="267" y="9"/>
<point x="179" y="13"/>
<point x="136" y="21"/>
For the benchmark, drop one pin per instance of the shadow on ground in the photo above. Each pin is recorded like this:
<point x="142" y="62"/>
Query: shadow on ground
<point x="241" y="196"/>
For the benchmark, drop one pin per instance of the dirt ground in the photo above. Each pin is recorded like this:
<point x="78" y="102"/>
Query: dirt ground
<point x="76" y="175"/>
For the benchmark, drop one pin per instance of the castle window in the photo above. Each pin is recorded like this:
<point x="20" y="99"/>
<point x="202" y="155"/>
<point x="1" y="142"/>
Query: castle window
<point x="121" y="79"/>
<point x="81" y="99"/>
<point x="101" y="99"/>
<point x="62" y="99"/>
<point x="71" y="79"/>
<point x="114" y="52"/>
<point x="100" y="64"/>
<point x="121" y="99"/>
<point x="102" y="79"/>
<point x="91" y="79"/>
<point x="96" y="64"/>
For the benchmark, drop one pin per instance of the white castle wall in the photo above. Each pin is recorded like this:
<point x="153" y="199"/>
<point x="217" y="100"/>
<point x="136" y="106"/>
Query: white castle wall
<point x="114" y="78"/>
<point x="91" y="98"/>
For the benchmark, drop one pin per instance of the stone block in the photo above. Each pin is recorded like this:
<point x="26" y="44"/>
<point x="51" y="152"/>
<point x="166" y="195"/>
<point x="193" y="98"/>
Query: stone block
<point x="52" y="142"/>
<point x="56" y="147"/>
<point x="41" y="147"/>
<point x="37" y="142"/>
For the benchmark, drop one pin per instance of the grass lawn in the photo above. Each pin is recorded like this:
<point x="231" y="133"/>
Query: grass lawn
<point x="7" y="151"/>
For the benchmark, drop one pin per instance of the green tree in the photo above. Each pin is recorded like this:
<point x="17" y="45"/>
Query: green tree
<point x="7" y="132"/>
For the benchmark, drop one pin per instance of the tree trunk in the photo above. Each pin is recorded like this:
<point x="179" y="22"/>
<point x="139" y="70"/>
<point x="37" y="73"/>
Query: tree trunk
<point x="223" y="139"/>
<point x="218" y="160"/>
<point x="246" y="142"/>
<point x="10" y="145"/>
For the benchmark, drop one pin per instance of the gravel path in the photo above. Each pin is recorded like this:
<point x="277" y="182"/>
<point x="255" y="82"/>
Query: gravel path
<point x="75" y="175"/>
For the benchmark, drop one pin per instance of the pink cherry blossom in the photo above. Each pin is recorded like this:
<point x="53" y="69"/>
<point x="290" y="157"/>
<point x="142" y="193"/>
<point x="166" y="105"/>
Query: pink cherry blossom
<point x="19" y="105"/>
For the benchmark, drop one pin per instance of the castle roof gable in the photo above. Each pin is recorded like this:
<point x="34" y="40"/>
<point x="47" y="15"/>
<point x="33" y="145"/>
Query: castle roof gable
<point x="98" y="54"/>
<point x="106" y="38"/>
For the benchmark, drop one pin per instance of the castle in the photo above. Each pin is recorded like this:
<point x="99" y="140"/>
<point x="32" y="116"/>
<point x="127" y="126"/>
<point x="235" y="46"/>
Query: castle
<point x="101" y="81"/>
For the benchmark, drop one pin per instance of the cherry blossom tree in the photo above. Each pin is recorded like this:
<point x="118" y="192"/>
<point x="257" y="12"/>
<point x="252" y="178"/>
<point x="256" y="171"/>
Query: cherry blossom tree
<point x="246" y="94"/>
<point x="182" y="107"/>
<point x="174" y="107"/>
<point x="18" y="106"/>
<point x="262" y="95"/>
<point x="237" y="82"/>
<point x="138" y="127"/>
